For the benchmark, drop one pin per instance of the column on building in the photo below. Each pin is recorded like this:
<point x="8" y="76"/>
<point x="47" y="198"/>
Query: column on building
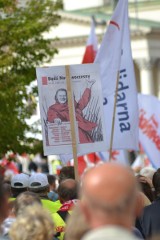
<point x="147" y="83"/>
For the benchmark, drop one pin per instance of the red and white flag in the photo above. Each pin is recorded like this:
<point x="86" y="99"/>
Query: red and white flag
<point x="149" y="127"/>
<point x="115" y="55"/>
<point x="92" y="46"/>
<point x="90" y="160"/>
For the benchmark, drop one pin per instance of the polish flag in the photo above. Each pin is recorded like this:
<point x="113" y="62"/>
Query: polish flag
<point x="92" y="46"/>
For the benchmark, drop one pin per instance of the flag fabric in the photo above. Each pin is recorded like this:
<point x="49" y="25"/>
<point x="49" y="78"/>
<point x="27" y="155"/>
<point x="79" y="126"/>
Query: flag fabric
<point x="115" y="55"/>
<point x="90" y="160"/>
<point x="117" y="156"/>
<point x="84" y="161"/>
<point x="149" y="127"/>
<point x="92" y="46"/>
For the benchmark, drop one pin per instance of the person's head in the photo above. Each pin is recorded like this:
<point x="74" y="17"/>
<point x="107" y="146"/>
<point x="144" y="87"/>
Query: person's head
<point x="38" y="183"/>
<point x="145" y="188"/>
<point x="109" y="195"/>
<point x="4" y="205"/>
<point x="66" y="172"/>
<point x="25" y="199"/>
<point x="147" y="172"/>
<point x="52" y="182"/>
<point x="61" y="96"/>
<point x="156" y="182"/>
<point x="35" y="223"/>
<point x="68" y="190"/>
<point x="19" y="184"/>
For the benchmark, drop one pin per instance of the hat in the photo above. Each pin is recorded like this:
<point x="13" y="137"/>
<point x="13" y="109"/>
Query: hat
<point x="38" y="180"/>
<point x="20" y="181"/>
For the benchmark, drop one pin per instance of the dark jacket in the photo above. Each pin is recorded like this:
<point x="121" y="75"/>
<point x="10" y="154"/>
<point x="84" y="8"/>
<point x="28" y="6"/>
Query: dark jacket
<point x="150" y="219"/>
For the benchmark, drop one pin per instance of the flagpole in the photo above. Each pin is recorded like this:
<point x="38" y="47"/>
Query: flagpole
<point x="113" y="118"/>
<point x="72" y="120"/>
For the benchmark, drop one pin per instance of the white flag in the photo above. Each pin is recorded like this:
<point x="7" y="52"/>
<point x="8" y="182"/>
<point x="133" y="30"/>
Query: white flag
<point x="115" y="55"/>
<point x="149" y="127"/>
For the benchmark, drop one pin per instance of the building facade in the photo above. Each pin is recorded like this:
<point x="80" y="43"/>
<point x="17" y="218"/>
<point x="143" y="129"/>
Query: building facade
<point x="74" y="28"/>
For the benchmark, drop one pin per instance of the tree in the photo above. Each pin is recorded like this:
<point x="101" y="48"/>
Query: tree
<point x="22" y="48"/>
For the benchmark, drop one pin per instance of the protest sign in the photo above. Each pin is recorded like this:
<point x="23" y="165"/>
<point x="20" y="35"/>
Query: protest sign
<point x="88" y="109"/>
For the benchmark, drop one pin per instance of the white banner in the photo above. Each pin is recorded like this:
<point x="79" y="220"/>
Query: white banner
<point x="149" y="127"/>
<point x="54" y="109"/>
<point x="115" y="55"/>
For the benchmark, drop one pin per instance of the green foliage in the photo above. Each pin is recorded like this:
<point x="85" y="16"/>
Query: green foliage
<point x="22" y="48"/>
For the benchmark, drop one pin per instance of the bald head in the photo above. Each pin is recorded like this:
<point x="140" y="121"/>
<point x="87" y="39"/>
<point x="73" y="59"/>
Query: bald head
<point x="109" y="183"/>
<point x="68" y="190"/>
<point x="109" y="188"/>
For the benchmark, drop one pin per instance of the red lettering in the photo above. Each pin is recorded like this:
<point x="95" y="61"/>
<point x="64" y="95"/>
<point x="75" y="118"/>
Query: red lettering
<point x="154" y="121"/>
<point x="157" y="141"/>
<point x="149" y="128"/>
<point x="142" y="120"/>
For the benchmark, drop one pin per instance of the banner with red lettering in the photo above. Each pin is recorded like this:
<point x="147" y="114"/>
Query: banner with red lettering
<point x="115" y="55"/>
<point x="149" y="127"/>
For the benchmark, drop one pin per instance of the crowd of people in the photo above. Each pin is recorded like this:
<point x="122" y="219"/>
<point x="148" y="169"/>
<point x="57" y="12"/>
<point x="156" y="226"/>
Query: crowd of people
<point x="109" y="202"/>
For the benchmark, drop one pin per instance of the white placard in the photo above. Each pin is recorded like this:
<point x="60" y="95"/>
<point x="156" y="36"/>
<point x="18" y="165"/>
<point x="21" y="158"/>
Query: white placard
<point x="87" y="97"/>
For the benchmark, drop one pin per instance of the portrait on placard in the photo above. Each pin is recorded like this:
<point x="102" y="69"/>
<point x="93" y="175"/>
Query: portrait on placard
<point x="85" y="112"/>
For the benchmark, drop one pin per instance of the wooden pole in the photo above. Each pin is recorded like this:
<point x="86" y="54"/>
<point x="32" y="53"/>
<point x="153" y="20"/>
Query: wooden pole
<point x="72" y="120"/>
<point x="113" y="118"/>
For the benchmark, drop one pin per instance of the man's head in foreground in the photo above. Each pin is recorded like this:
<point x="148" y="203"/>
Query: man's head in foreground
<point x="109" y="194"/>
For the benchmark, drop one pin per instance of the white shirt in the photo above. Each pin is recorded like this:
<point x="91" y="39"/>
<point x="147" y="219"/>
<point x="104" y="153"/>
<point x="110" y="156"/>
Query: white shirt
<point x="109" y="233"/>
